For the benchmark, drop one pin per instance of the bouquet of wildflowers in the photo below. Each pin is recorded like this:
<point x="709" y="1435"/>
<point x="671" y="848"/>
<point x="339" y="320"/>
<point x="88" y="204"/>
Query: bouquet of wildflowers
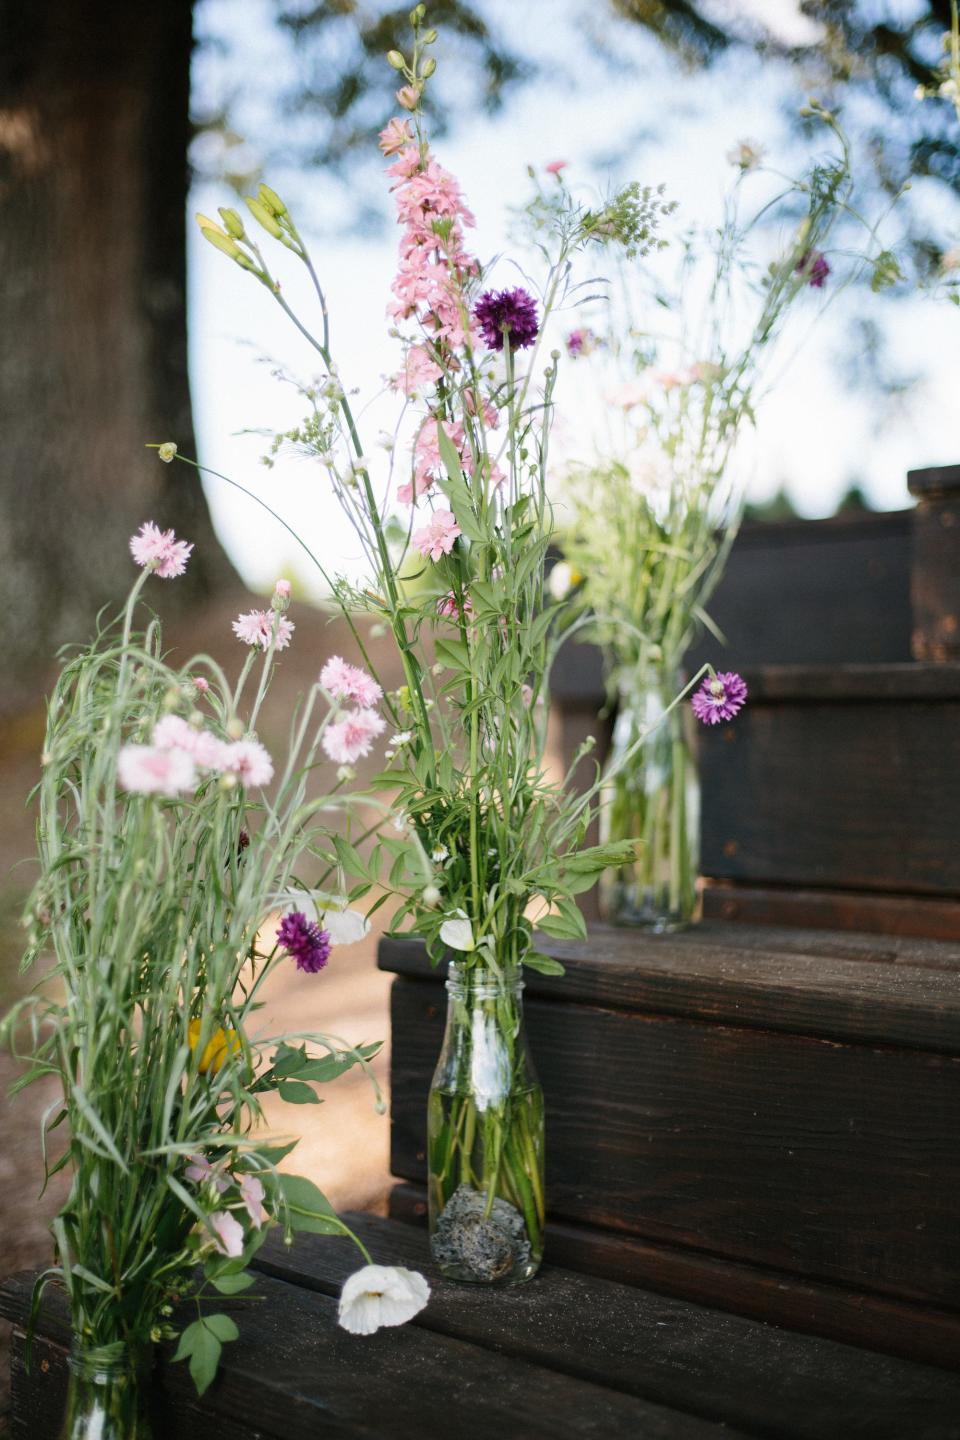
<point x="652" y="519"/>
<point x="162" y="860"/>
<point x="489" y="844"/>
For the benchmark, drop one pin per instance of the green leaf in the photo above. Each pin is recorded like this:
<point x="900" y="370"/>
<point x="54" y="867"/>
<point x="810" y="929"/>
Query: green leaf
<point x="200" y="1345"/>
<point x="273" y="1154"/>
<point x="453" y="653"/>
<point x="295" y="1092"/>
<point x="545" y="964"/>
<point x="329" y="1067"/>
<point x="223" y="1327"/>
<point x="232" y="1284"/>
<point x="308" y="1207"/>
<point x="567" y="924"/>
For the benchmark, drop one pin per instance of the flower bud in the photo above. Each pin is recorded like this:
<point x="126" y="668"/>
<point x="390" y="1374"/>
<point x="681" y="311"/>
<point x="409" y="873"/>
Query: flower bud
<point x="271" y="200"/>
<point x="395" y="59"/>
<point x="431" y="897"/>
<point x="417" y="14"/>
<point x="409" y="97"/>
<point x="232" y="222"/>
<point x="429" y="37"/>
<point x="221" y="241"/>
<point x="166" y="451"/>
<point x="263" y="216"/>
<point x="282" y="589"/>
<point x="429" y="65"/>
<point x="235" y="729"/>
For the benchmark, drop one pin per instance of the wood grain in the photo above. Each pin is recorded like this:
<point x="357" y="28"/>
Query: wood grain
<point x="891" y="991"/>
<point x="832" y="1161"/>
<point x="294" y="1375"/>
<point x="760" y="1377"/>
<point x="882" y="914"/>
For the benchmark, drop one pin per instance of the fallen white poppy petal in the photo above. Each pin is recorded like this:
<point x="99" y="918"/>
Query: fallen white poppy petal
<point x="381" y="1295"/>
<point x="458" y="934"/>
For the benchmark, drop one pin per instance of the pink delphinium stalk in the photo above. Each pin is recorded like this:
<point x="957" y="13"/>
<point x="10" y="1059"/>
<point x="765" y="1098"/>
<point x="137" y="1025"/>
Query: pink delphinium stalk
<point x="438" y="536"/>
<point x="148" y="770"/>
<point x="160" y="551"/>
<point x="351" y="738"/>
<point x="256" y="628"/>
<point x="719" y="698"/>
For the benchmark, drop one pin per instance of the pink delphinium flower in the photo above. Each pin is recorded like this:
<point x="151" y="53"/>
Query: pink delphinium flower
<point x="720" y="697"/>
<point x="352" y="737"/>
<point x="249" y="761"/>
<point x="229" y="1233"/>
<point x="148" y="770"/>
<point x="438" y="537"/>
<point x="449" y="608"/>
<point x="350" y="682"/>
<point x="160" y="550"/>
<point x="395" y="135"/>
<point x="419" y="371"/>
<point x="256" y="628"/>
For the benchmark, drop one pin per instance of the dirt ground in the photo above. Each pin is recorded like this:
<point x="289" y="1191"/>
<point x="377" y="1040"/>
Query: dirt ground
<point x="344" y="1144"/>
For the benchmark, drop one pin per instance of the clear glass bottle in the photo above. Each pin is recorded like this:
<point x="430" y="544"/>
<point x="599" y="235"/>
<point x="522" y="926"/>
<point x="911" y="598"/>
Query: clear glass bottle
<point x="485" y="1135"/>
<point x="104" y="1396"/>
<point x="652" y="797"/>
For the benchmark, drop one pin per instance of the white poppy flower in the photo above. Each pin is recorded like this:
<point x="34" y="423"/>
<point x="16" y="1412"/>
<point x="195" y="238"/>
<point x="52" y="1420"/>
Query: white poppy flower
<point x="345" y="927"/>
<point x="381" y="1295"/>
<point x="457" y="933"/>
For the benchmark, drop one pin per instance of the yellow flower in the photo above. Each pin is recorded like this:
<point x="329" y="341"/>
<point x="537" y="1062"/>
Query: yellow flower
<point x="221" y="1045"/>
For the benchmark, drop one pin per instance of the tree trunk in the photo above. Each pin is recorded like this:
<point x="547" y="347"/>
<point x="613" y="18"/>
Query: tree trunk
<point x="94" y="128"/>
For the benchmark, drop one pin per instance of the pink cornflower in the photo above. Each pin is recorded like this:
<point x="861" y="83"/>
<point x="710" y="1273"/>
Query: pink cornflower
<point x="282" y="590"/>
<point x="395" y="135"/>
<point x="350" y="682"/>
<point x="556" y="166"/>
<point x="229" y="1233"/>
<point x="352" y="737"/>
<point x="256" y="628"/>
<point x="720" y="697"/>
<point x="173" y="733"/>
<point x="160" y="551"/>
<point x="438" y="537"/>
<point x="249" y="761"/>
<point x="448" y="607"/>
<point x="148" y="770"/>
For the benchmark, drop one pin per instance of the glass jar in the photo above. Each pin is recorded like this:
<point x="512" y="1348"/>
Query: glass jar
<point x="104" y="1396"/>
<point x="485" y="1135"/>
<point x="652" y="795"/>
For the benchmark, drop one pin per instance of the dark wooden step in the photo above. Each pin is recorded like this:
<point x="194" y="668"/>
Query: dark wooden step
<point x="790" y="1109"/>
<point x="566" y="1356"/>
<point x="838" y="778"/>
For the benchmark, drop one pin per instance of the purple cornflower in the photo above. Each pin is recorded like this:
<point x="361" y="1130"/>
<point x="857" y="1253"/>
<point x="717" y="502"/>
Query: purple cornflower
<point x="720" y="697"/>
<point x="305" y="941"/>
<point x="510" y="311"/>
<point x="813" y="264"/>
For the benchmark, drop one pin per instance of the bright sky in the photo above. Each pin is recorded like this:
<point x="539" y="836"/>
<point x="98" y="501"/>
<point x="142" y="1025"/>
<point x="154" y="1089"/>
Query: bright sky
<point x="812" y="435"/>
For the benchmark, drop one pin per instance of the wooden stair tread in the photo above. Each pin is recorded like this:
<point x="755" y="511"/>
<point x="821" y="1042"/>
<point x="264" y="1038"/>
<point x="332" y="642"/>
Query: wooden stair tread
<point x="760" y="1378"/>
<point x="882" y="989"/>
<point x="568" y="1355"/>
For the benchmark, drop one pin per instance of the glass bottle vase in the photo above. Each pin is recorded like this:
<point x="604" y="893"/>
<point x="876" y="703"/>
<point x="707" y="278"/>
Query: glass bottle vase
<point x="105" y="1397"/>
<point x="652" y="795"/>
<point x="485" y="1135"/>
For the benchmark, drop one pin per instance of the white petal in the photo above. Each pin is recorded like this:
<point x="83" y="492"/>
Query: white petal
<point x="381" y="1295"/>
<point x="458" y="934"/>
<point x="345" y="927"/>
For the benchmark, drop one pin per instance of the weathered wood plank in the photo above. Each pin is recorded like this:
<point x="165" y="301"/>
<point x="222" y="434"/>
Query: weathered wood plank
<point x="830" y="1161"/>
<point x="294" y="1375"/>
<point x="901" y="915"/>
<point x="856" y="795"/>
<point x="935" y="575"/>
<point x="909" y="993"/>
<point x="895" y="1327"/>
<point x="759" y="1377"/>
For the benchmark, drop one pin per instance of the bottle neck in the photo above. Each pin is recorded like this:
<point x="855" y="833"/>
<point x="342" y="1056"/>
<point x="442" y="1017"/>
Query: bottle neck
<point x="481" y="982"/>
